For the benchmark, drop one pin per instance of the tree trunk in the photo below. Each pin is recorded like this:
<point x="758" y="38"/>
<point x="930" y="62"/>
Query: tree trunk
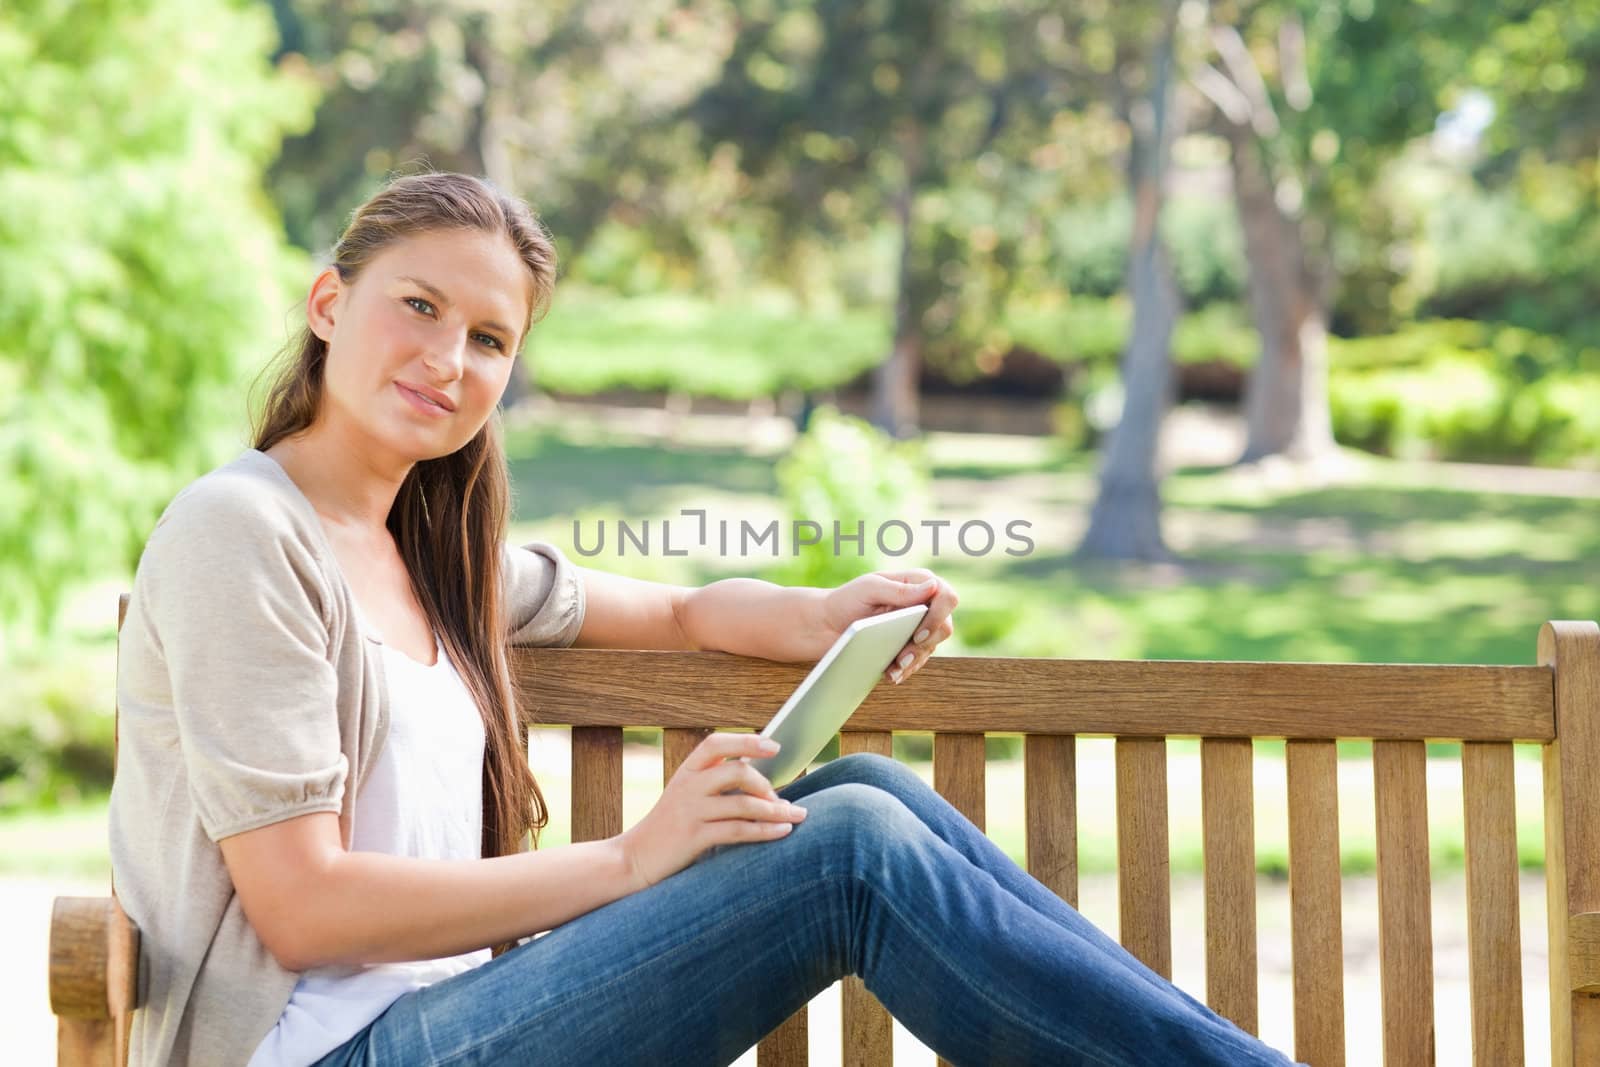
<point x="1286" y="403"/>
<point x="1126" y="520"/>
<point x="894" y="400"/>
<point x="487" y="147"/>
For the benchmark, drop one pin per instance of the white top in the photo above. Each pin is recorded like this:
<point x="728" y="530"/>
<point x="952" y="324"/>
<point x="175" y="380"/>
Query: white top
<point x="423" y="799"/>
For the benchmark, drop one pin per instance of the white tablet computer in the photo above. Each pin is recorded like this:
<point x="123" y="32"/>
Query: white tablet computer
<point x="833" y="690"/>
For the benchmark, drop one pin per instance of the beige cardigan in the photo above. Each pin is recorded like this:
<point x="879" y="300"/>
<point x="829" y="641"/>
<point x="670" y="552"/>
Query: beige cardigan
<point x="248" y="695"/>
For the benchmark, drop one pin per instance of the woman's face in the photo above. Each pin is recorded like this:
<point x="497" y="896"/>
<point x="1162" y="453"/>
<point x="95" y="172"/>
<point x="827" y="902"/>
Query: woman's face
<point x="434" y="317"/>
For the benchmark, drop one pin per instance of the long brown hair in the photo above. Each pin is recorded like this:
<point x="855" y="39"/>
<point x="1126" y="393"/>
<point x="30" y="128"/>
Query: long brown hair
<point x="450" y="514"/>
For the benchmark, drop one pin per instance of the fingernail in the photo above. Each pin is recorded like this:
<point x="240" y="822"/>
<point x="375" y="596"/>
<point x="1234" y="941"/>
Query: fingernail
<point x="895" y="674"/>
<point x="905" y="660"/>
<point x="769" y="745"/>
<point x="922" y="635"/>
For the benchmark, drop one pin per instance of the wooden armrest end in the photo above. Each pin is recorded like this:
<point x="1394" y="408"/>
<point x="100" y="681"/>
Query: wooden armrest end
<point x="1583" y="951"/>
<point x="94" y="959"/>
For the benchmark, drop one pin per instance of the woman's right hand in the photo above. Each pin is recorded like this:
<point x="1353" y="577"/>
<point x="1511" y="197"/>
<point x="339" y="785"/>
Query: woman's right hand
<point x="693" y="815"/>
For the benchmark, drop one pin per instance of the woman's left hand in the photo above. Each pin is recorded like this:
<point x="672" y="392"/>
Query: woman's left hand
<point x="883" y="591"/>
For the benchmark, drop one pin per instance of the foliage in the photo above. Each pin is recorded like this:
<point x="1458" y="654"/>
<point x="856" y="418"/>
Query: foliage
<point x="570" y="103"/>
<point x="56" y="727"/>
<point x="1094" y="332"/>
<point x="757" y="346"/>
<point x="1091" y="246"/>
<point x="843" y="471"/>
<point x="1468" y="391"/>
<point x="957" y="121"/>
<point x="1449" y="389"/>
<point x="141" y="270"/>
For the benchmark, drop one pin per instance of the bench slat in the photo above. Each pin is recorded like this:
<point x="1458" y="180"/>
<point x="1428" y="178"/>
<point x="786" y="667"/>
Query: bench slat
<point x="1405" y="935"/>
<point x="958" y="776"/>
<point x="606" y="687"/>
<point x="1050" y="801"/>
<point x="786" y="1046"/>
<point x="958" y="773"/>
<point x="596" y="782"/>
<point x="868" y="1029"/>
<point x="676" y="744"/>
<point x="1494" y="936"/>
<point x="1572" y="829"/>
<point x="1316" y="931"/>
<point x="1227" y="767"/>
<point x="87" y="1043"/>
<point x="1144" y="864"/>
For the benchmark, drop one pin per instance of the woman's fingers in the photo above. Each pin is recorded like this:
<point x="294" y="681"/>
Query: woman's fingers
<point x="910" y="659"/>
<point x="738" y="831"/>
<point x="722" y="746"/>
<point x="755" y="809"/>
<point x="738" y="776"/>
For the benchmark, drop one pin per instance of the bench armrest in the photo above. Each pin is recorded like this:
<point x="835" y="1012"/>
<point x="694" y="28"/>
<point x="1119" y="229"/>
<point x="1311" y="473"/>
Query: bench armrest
<point x="94" y="959"/>
<point x="1583" y="951"/>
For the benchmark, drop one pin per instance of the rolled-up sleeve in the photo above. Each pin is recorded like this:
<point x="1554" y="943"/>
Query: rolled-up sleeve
<point x="544" y="599"/>
<point x="237" y="603"/>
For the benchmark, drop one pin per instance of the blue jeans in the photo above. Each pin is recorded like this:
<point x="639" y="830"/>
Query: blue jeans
<point x="883" y="879"/>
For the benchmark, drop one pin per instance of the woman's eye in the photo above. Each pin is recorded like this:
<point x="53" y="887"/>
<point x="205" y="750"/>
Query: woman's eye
<point x="420" y="304"/>
<point x="491" y="340"/>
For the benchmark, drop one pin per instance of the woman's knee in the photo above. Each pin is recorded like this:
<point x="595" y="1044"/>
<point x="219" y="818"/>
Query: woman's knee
<point x="857" y="816"/>
<point x="869" y="768"/>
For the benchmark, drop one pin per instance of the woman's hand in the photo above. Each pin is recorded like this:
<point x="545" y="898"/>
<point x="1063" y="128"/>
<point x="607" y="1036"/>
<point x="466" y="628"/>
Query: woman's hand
<point x="882" y="591"/>
<point x="693" y="815"/>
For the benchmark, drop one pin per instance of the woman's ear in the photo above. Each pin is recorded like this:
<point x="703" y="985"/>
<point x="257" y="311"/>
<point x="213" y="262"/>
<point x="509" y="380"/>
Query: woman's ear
<point x="322" y="303"/>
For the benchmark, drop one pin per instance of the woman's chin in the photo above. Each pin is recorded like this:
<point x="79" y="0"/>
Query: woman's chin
<point x="411" y="444"/>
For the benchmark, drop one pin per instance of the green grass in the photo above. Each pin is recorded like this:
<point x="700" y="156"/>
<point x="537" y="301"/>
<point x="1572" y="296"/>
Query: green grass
<point x="1380" y="572"/>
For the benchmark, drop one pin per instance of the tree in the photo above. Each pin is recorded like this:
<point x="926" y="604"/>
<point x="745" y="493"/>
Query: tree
<point x="1537" y="64"/>
<point x="1286" y="404"/>
<point x="568" y="104"/>
<point x="142" y="273"/>
<point x="1126" y="520"/>
<point x="1313" y="101"/>
<point x="844" y="115"/>
<point x="556" y="103"/>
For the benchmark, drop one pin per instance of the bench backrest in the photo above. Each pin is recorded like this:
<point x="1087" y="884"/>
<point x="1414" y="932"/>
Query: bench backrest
<point x="1226" y="705"/>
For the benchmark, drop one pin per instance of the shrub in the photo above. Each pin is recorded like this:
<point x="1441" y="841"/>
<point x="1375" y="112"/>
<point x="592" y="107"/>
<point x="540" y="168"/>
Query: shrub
<point x="1464" y="390"/>
<point x="845" y="470"/>
<point x="56" y="727"/>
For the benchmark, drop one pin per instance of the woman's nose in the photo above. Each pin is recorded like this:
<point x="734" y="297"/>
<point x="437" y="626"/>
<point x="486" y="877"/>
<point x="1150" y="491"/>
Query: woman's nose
<point x="447" y="359"/>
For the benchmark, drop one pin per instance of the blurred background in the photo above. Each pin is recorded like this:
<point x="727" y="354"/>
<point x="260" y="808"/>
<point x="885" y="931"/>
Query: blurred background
<point x="1276" y="321"/>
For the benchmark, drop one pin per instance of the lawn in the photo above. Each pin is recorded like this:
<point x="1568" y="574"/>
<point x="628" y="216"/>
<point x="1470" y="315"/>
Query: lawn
<point x="1385" y="570"/>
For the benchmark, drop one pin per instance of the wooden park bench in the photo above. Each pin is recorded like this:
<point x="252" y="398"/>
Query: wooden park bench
<point x="94" y="948"/>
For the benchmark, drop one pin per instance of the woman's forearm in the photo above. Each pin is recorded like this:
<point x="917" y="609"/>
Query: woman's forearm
<point x="750" y="617"/>
<point x="368" y="907"/>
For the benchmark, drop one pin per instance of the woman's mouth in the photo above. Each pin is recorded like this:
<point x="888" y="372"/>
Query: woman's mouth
<point x="422" y="403"/>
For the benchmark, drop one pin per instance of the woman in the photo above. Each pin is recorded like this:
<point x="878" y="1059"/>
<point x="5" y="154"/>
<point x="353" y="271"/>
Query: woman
<point x="321" y="803"/>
